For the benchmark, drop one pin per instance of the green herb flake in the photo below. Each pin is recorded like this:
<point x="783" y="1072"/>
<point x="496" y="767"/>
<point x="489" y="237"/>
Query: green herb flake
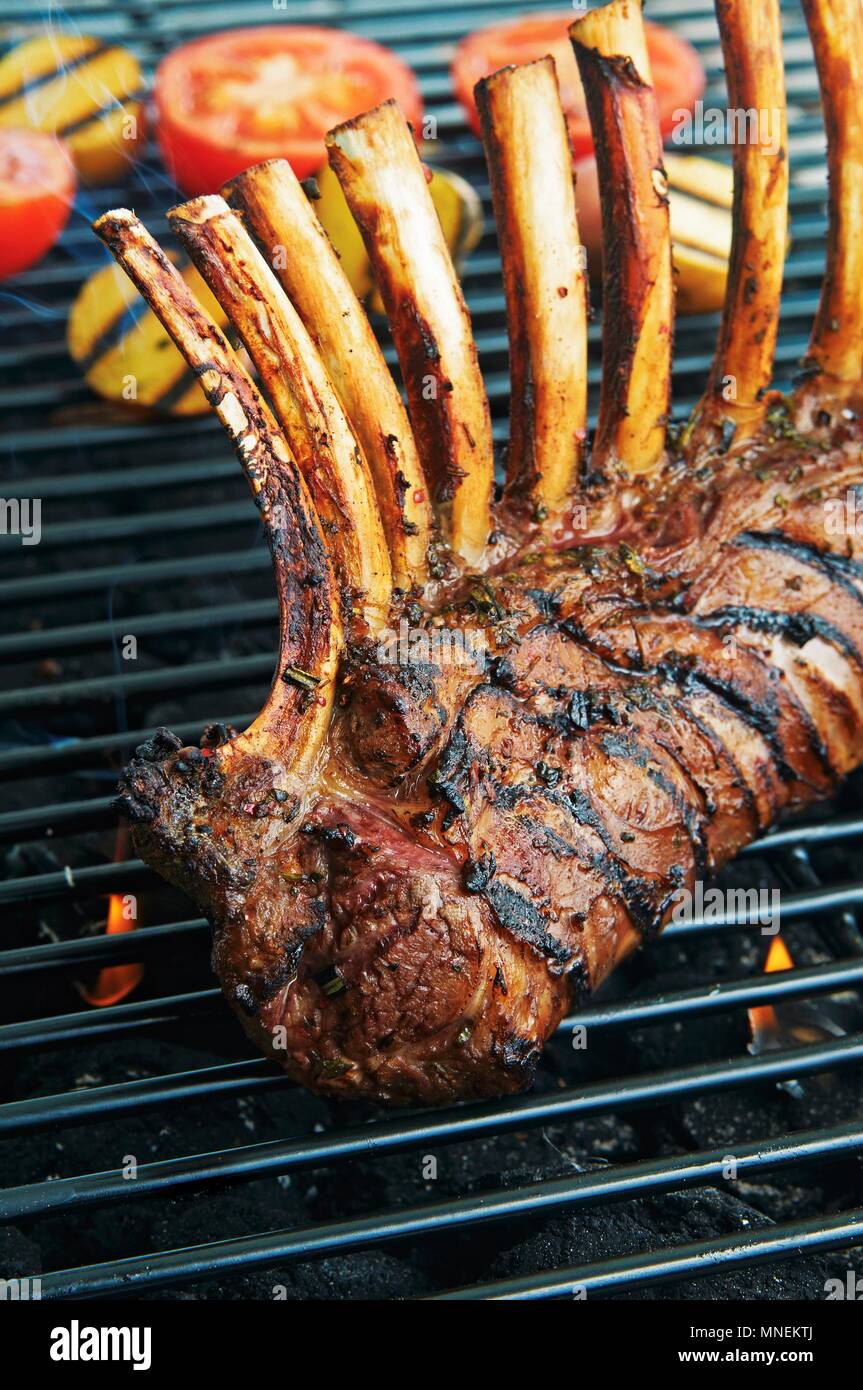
<point x="335" y="1066"/>
<point x="631" y="559"/>
<point x="485" y="602"/>
<point x="295" y="675"/>
<point x="331" y="982"/>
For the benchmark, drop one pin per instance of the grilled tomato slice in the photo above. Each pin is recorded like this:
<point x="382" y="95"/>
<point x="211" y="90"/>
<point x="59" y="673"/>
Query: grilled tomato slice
<point x="678" y="74"/>
<point x="234" y="99"/>
<point x="37" y="187"/>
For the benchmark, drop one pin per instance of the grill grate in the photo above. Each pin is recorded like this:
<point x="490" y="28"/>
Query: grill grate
<point x="120" y="495"/>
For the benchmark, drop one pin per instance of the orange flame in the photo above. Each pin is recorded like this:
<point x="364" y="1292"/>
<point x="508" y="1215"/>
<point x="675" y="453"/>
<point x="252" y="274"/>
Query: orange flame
<point x="762" y="1019"/>
<point x="114" y="982"/>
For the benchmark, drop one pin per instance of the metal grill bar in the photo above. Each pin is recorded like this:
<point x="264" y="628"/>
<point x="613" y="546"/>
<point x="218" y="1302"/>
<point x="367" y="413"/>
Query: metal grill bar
<point x="724" y="994"/>
<point x="95" y="878"/>
<point x="792" y="1240"/>
<point x="233" y="562"/>
<point x="179" y="14"/>
<point x="127" y="1097"/>
<point x="797" y="905"/>
<point x="113" y="878"/>
<point x="160" y="1269"/>
<point x="37" y="441"/>
<point x="120" y="1019"/>
<point x="21" y="442"/>
<point x="112" y="481"/>
<point x="796" y="304"/>
<point x="117" y="1020"/>
<point x="72" y="816"/>
<point x="253" y="1161"/>
<point x="173" y="678"/>
<point x="481" y="302"/>
<point x="74" y="752"/>
<point x="87" y="636"/>
<point x="100" y="951"/>
<point x="821" y="833"/>
<point x="99" y="530"/>
<point x="100" y="811"/>
<point x="100" y="1102"/>
<point x="789" y="350"/>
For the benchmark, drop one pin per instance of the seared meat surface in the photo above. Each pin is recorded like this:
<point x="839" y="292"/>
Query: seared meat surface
<point x="485" y="841"/>
<point x="489" y="769"/>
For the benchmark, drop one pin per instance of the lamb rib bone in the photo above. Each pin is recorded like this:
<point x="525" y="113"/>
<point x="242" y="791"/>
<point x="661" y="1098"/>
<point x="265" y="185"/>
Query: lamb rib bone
<point x="306" y="405"/>
<point x="743" y="364"/>
<point x="833" y="366"/>
<point x="281" y="218"/>
<point x="310" y="630"/>
<point x="638" y="291"/>
<point x="544" y="279"/>
<point x="377" y="165"/>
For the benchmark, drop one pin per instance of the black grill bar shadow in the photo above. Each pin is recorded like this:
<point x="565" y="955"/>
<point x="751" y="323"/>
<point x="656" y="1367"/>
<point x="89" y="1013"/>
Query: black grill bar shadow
<point x="790" y="1240"/>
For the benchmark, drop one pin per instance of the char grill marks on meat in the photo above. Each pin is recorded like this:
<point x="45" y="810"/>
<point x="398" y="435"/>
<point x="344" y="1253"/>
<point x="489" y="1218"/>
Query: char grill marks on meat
<point x="482" y="779"/>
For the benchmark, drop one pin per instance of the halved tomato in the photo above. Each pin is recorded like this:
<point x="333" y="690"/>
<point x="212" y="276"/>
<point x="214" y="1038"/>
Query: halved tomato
<point x="234" y="99"/>
<point x="678" y="74"/>
<point x="37" y="189"/>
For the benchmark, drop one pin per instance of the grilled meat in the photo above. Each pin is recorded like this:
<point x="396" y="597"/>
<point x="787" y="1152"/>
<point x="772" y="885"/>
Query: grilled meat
<point x="490" y="765"/>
